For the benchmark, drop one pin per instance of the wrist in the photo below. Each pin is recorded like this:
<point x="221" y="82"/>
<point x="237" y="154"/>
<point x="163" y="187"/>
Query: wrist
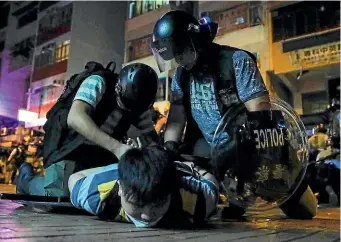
<point x="114" y="146"/>
<point x="172" y="146"/>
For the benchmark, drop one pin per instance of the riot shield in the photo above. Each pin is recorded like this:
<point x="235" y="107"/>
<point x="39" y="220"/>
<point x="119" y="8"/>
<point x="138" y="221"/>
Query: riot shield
<point x="270" y="154"/>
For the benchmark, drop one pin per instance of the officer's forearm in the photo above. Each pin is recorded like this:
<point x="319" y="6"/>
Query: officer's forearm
<point x="81" y="122"/>
<point x="175" y="123"/>
<point x="258" y="104"/>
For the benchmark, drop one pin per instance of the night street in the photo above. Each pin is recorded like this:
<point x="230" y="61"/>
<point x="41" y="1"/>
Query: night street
<point x="22" y="224"/>
<point x="120" y="118"/>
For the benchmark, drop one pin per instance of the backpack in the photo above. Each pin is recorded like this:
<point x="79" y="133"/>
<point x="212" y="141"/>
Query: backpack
<point x="224" y="85"/>
<point x="59" y="140"/>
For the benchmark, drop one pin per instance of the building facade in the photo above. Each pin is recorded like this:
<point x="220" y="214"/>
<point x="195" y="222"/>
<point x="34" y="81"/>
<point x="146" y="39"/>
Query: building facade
<point x="304" y="40"/>
<point x="69" y="34"/>
<point x="138" y="32"/>
<point x="17" y="31"/>
<point x="297" y="44"/>
<point x="237" y="20"/>
<point x="41" y="45"/>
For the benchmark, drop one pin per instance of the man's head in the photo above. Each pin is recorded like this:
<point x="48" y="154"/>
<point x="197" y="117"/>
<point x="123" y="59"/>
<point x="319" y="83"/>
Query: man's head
<point x="137" y="87"/>
<point x="146" y="178"/>
<point x="178" y="36"/>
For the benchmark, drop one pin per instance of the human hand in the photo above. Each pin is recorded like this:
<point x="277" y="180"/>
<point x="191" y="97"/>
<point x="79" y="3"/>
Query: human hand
<point x="134" y="143"/>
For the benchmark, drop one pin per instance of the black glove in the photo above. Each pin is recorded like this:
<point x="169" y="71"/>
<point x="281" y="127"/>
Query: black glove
<point x="173" y="148"/>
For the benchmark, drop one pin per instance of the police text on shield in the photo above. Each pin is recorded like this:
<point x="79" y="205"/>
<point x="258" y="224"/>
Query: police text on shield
<point x="267" y="138"/>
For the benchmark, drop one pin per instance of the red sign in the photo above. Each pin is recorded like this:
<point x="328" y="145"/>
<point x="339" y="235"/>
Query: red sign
<point x="140" y="48"/>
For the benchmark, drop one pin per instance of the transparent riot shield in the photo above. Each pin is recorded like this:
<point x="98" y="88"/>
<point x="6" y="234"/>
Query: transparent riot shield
<point x="268" y="158"/>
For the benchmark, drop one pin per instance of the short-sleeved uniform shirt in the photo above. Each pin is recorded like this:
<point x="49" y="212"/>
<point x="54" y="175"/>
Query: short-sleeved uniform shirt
<point x="197" y="197"/>
<point x="204" y="107"/>
<point x="92" y="90"/>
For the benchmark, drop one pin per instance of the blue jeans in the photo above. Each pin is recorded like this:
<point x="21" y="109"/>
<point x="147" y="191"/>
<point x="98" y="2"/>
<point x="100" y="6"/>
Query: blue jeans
<point x="28" y="182"/>
<point x="54" y="183"/>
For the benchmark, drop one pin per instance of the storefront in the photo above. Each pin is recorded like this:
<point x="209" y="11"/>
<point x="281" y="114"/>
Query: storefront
<point x="306" y="73"/>
<point x="44" y="94"/>
<point x="305" y="53"/>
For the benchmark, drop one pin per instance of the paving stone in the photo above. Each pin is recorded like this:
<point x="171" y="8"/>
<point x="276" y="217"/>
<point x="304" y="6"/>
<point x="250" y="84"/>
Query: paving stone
<point x="19" y="223"/>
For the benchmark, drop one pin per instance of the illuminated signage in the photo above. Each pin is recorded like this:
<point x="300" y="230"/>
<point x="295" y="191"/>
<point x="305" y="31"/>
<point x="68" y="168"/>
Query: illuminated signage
<point x="36" y="123"/>
<point x="321" y="55"/>
<point x="27" y="116"/>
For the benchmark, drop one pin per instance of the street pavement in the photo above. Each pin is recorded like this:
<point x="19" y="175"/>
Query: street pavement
<point x="19" y="223"/>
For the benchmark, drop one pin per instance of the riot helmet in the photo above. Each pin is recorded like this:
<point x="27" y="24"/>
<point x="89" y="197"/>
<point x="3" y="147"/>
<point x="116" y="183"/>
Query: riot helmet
<point x="178" y="36"/>
<point x="136" y="88"/>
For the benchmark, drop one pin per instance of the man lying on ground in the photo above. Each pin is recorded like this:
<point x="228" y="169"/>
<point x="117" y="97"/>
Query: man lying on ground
<point x="147" y="188"/>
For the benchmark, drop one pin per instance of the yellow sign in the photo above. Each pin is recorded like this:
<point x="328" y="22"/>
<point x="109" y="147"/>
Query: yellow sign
<point x="317" y="55"/>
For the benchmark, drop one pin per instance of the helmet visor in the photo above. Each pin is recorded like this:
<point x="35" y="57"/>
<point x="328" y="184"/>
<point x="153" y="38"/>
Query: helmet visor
<point x="168" y="50"/>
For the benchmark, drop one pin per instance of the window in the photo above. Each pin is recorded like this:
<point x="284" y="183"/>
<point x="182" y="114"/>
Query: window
<point x="51" y="54"/>
<point x="137" y="8"/>
<point x="56" y="22"/>
<point x="62" y="51"/>
<point x="4" y="12"/>
<point x="46" y="56"/>
<point x="314" y="102"/>
<point x="27" y="18"/>
<point x="21" y="53"/>
<point x="304" y="18"/>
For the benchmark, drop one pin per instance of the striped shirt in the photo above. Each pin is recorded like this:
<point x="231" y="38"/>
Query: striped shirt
<point x="197" y="195"/>
<point x="92" y="90"/>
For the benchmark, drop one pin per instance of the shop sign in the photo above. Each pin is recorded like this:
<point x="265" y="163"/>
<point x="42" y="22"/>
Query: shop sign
<point x="140" y="48"/>
<point x="317" y="55"/>
<point x="26" y="115"/>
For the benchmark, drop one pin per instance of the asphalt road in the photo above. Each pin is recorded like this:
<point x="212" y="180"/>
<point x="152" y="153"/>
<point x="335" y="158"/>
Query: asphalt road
<point x="18" y="223"/>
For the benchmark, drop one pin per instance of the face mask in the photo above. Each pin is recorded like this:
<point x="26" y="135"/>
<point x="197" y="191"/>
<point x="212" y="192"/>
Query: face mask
<point x="143" y="224"/>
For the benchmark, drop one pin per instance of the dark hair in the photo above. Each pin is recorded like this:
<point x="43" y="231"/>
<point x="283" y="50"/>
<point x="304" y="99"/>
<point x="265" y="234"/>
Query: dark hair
<point x="147" y="175"/>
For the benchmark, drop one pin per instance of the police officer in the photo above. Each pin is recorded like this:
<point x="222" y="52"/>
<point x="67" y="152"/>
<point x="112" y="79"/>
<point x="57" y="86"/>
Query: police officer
<point x="120" y="106"/>
<point x="209" y="80"/>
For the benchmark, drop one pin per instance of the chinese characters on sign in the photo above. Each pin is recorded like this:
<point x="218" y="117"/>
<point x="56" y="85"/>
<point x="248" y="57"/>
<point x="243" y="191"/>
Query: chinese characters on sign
<point x="232" y="19"/>
<point x="321" y="55"/>
<point x="140" y="48"/>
